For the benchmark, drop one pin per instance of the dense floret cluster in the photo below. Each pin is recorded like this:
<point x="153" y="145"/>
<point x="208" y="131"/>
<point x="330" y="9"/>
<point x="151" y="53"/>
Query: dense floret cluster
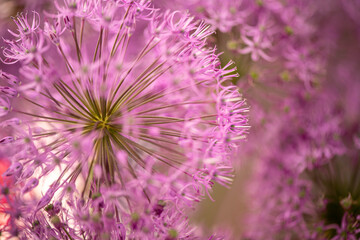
<point x="126" y="110"/>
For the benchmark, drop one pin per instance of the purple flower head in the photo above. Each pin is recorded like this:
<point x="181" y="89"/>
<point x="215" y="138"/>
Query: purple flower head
<point x="128" y="105"/>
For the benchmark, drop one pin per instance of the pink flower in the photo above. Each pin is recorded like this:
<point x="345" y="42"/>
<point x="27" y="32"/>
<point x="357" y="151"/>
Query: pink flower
<point x="256" y="47"/>
<point x="132" y="116"/>
<point x="24" y="28"/>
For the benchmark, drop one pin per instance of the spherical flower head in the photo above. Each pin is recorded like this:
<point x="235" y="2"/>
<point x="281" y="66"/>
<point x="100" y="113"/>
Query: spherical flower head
<point x="129" y="119"/>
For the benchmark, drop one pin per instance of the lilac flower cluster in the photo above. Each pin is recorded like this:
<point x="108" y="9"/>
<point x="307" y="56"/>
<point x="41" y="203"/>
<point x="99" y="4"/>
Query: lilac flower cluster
<point x="129" y="106"/>
<point x="310" y="169"/>
<point x="278" y="34"/>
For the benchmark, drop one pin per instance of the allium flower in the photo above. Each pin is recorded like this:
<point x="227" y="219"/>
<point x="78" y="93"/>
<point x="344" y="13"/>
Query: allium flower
<point x="256" y="48"/>
<point x="140" y="126"/>
<point x="24" y="27"/>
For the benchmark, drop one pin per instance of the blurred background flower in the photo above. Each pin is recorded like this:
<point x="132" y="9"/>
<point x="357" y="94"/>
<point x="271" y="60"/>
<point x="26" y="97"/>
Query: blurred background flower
<point x="297" y="63"/>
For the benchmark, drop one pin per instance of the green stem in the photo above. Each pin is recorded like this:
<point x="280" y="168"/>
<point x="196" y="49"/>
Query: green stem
<point x="67" y="233"/>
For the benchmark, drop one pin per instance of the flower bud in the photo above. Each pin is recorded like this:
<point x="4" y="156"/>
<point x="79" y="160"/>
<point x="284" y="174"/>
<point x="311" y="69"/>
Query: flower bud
<point x="14" y="169"/>
<point x="8" y="91"/>
<point x="4" y="107"/>
<point x="6" y="140"/>
<point x="31" y="184"/>
<point x="11" y="79"/>
<point x="347" y="202"/>
<point x="68" y="23"/>
<point x="159" y="207"/>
